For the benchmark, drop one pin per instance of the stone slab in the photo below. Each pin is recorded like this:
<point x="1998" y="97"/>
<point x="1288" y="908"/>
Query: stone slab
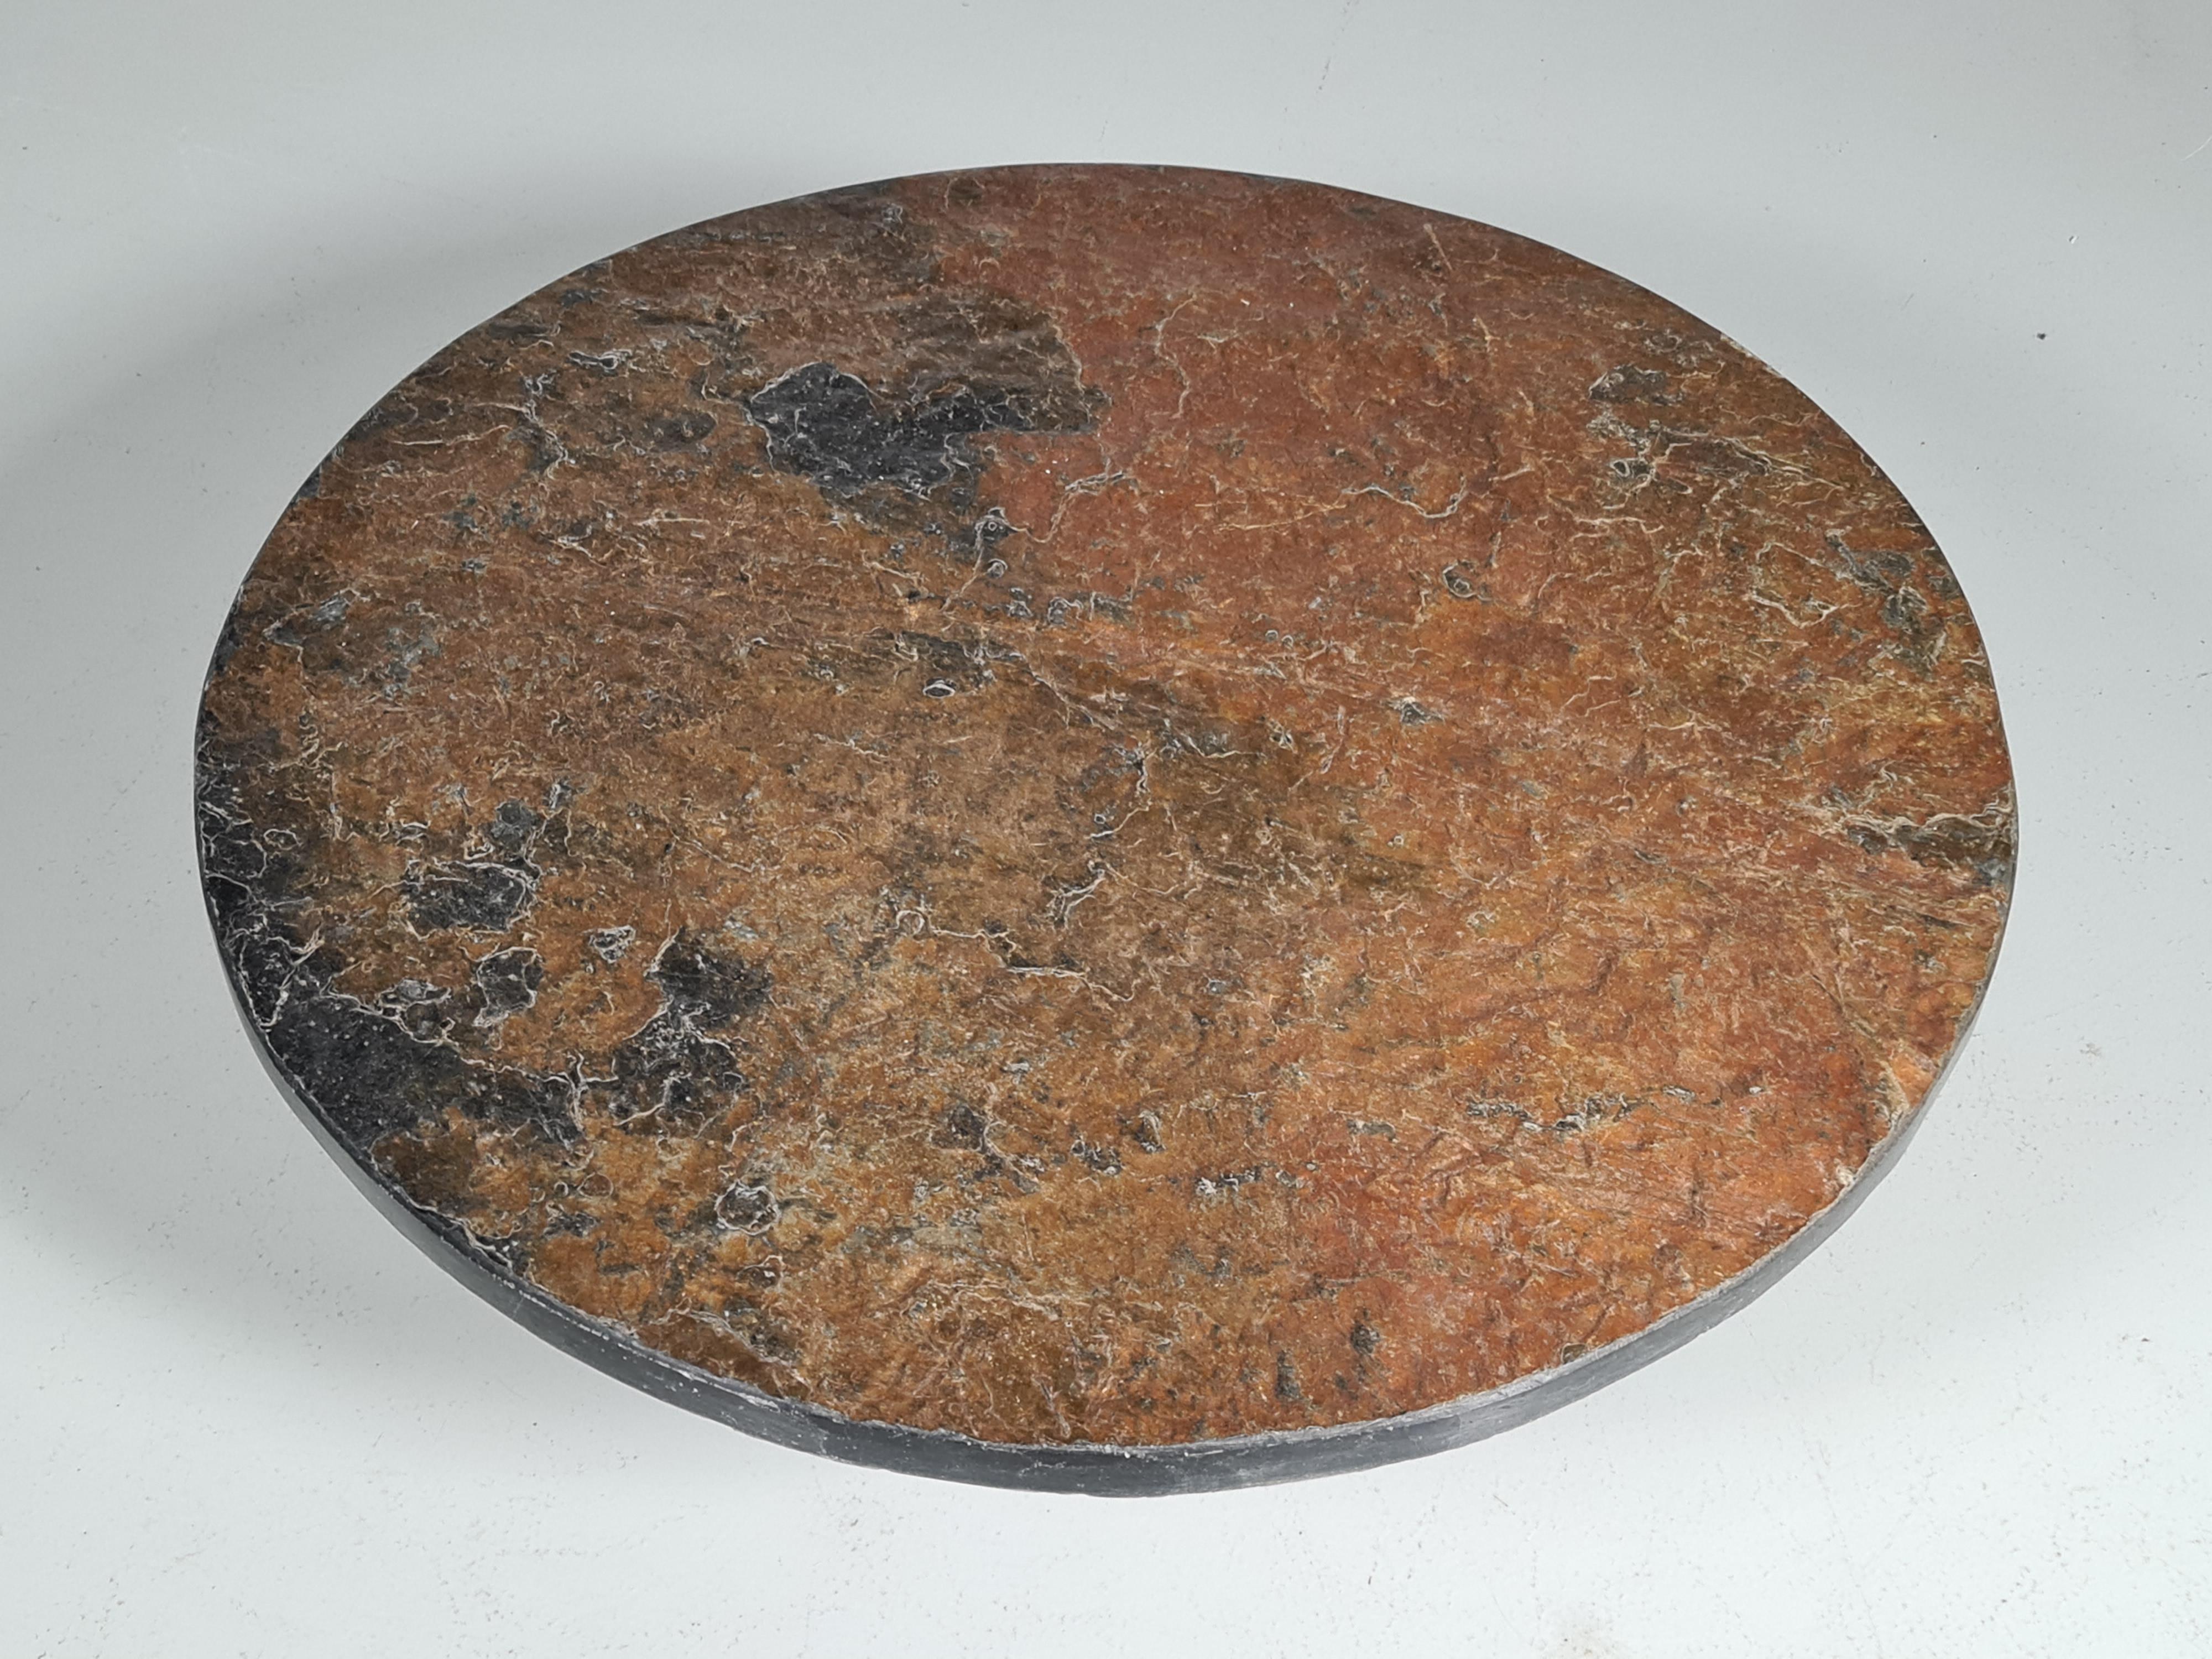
<point x="1101" y="827"/>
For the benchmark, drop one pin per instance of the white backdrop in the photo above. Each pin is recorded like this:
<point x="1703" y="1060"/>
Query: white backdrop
<point x="241" y="1415"/>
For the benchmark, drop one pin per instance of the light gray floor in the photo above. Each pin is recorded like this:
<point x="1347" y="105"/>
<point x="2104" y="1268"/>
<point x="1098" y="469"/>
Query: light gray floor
<point x="243" y="1416"/>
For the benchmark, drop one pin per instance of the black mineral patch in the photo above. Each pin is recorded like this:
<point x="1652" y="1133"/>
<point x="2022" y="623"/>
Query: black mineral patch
<point x="476" y="894"/>
<point x="1887" y="575"/>
<point x="829" y="426"/>
<point x="1986" y="845"/>
<point x="671" y="1069"/>
<point x="670" y="1072"/>
<point x="507" y="981"/>
<point x="365" y="1072"/>
<point x="706" y="988"/>
<point x="370" y="1077"/>
<point x="513" y="828"/>
<point x="425" y="1011"/>
<point x="369" y="1069"/>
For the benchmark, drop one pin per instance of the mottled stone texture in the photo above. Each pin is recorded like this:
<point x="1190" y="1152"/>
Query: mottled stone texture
<point x="1105" y="805"/>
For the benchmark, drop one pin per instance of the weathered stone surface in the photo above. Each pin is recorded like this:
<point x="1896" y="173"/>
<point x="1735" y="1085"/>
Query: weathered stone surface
<point x="1105" y="806"/>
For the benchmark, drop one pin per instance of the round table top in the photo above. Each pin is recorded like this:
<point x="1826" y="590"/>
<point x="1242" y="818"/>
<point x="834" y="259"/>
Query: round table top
<point x="1105" y="825"/>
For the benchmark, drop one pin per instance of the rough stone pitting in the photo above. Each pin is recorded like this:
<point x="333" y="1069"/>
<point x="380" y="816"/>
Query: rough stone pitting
<point x="1105" y="827"/>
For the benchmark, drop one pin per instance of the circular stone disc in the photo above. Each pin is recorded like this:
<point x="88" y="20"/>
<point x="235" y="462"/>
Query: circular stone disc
<point x="1106" y="828"/>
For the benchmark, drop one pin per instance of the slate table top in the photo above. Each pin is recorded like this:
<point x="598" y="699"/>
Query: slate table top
<point x="1092" y="812"/>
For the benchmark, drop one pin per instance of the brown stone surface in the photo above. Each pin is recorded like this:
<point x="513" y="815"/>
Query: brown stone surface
<point x="1096" y="804"/>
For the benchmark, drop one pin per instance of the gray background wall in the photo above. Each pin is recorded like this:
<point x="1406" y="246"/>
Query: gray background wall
<point x="243" y="1416"/>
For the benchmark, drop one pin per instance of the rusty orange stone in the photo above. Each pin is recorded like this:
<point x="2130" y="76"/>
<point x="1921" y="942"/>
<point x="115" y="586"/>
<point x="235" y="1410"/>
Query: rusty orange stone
<point x="1106" y="826"/>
